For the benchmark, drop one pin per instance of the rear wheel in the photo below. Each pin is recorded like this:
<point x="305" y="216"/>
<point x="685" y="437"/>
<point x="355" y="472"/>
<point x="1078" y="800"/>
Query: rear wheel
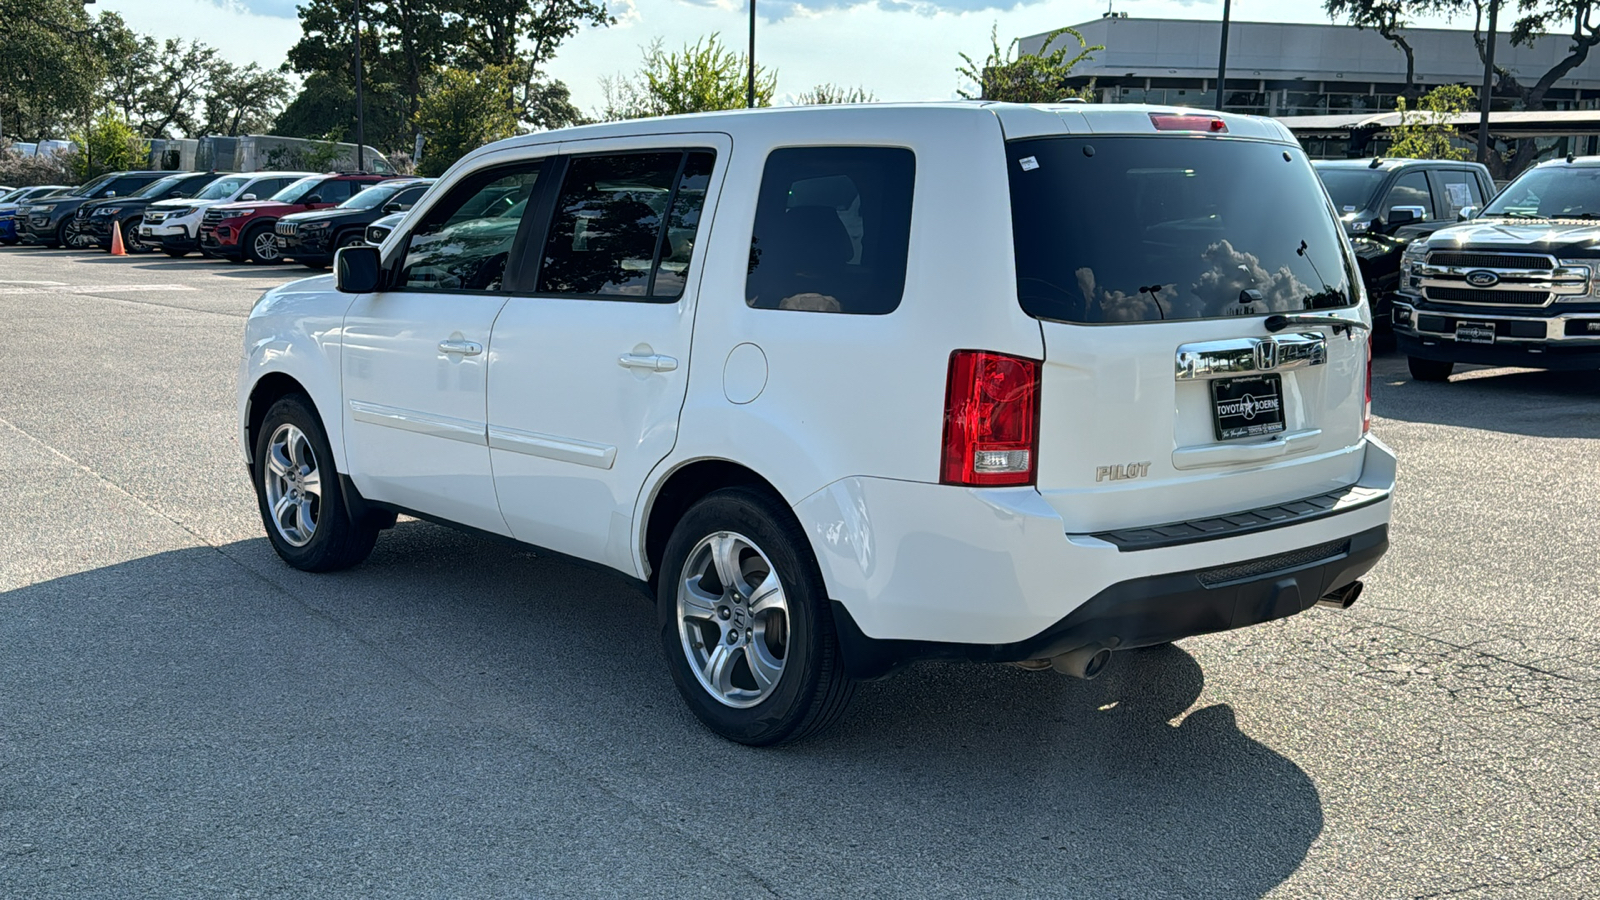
<point x="1429" y="369"/>
<point x="175" y="254"/>
<point x="299" y="494"/>
<point x="261" y="245"/>
<point x="744" y="622"/>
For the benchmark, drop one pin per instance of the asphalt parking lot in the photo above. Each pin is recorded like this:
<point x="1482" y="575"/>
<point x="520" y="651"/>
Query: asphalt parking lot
<point x="183" y="715"/>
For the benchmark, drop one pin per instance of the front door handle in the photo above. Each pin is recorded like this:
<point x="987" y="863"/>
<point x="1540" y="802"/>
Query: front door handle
<point x="465" y="348"/>
<point x="650" y="362"/>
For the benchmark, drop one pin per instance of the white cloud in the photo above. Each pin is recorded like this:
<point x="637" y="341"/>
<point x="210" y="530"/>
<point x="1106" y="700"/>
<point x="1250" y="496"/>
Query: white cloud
<point x="243" y="36"/>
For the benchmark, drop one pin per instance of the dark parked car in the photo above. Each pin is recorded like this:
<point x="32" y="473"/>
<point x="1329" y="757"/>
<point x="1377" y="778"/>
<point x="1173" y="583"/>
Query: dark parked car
<point x="1385" y="204"/>
<point x="1519" y="285"/>
<point x="16" y="202"/>
<point x="96" y="216"/>
<point x="311" y="238"/>
<point x="53" y="222"/>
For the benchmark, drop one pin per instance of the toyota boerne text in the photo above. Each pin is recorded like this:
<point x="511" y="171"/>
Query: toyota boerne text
<point x="848" y="388"/>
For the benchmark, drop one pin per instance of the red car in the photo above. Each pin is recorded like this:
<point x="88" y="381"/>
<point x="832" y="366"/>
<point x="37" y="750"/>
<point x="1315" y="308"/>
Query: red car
<point x="244" y="230"/>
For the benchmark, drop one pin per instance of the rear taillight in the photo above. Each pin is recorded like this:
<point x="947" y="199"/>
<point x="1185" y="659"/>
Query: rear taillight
<point x="991" y="419"/>
<point x="1180" y="122"/>
<point x="1366" y="411"/>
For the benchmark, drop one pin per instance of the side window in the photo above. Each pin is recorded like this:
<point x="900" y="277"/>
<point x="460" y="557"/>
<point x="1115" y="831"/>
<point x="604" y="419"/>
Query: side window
<point x="624" y="225"/>
<point x="333" y="191"/>
<point x="1410" y="190"/>
<point x="407" y="198"/>
<point x="833" y="227"/>
<point x="1456" y="189"/>
<point x="463" y="242"/>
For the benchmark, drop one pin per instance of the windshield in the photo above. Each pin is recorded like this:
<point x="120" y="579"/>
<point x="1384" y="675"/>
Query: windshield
<point x="1144" y="229"/>
<point x="158" y="187"/>
<point x="13" y="196"/>
<point x="221" y="189"/>
<point x="1557" y="192"/>
<point x="1350" y="189"/>
<point x="93" y="187"/>
<point x="373" y="197"/>
<point x="294" y="192"/>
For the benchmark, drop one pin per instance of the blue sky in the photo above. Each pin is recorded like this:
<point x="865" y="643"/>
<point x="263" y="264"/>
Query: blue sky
<point x="898" y="49"/>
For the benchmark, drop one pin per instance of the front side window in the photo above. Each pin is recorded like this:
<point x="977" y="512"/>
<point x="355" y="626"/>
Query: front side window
<point x="1149" y="229"/>
<point x="373" y="197"/>
<point x="301" y="188"/>
<point x="1411" y="189"/>
<point x="832" y="230"/>
<point x="607" y="236"/>
<point x="464" y="240"/>
<point x="334" y="191"/>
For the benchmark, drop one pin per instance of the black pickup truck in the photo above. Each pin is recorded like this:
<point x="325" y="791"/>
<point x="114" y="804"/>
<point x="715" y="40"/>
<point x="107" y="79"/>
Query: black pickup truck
<point x="1518" y="285"/>
<point x="1385" y="204"/>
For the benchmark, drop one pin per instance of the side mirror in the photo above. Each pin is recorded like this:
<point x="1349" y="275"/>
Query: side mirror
<point x="178" y="195"/>
<point x="1404" y="215"/>
<point x="1467" y="214"/>
<point x="356" y="269"/>
<point x="248" y="197"/>
<point x="394" y="207"/>
<point x="109" y="194"/>
<point x="314" y="198"/>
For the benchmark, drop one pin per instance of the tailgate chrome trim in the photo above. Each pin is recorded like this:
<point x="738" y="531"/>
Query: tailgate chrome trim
<point x="1234" y="356"/>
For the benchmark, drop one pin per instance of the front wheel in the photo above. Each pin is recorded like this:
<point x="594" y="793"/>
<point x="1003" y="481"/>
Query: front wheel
<point x="1429" y="369"/>
<point x="175" y="254"/>
<point x="131" y="240"/>
<point x="745" y="624"/>
<point x="261" y="246"/>
<point x="299" y="494"/>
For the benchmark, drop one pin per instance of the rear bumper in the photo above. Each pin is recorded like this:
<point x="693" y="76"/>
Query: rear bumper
<point x="939" y="571"/>
<point x="1140" y="612"/>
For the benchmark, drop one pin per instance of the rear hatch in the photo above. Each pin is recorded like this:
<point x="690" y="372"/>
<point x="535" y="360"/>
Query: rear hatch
<point x="1154" y="264"/>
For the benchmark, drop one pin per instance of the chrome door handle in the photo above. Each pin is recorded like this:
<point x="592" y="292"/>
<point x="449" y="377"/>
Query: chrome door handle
<point x="650" y="362"/>
<point x="465" y="348"/>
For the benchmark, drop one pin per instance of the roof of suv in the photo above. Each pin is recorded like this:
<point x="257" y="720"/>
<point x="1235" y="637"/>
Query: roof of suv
<point x="1388" y="163"/>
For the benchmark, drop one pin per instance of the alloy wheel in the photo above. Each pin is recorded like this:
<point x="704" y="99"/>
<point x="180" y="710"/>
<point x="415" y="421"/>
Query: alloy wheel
<point x="265" y="246"/>
<point x="733" y="619"/>
<point x="293" y="485"/>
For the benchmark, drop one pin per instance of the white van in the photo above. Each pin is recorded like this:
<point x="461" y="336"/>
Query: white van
<point x="850" y="387"/>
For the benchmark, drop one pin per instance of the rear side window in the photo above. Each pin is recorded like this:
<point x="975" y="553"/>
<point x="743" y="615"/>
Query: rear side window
<point x="464" y="240"/>
<point x="1149" y="229"/>
<point x="625" y="224"/>
<point x="832" y="230"/>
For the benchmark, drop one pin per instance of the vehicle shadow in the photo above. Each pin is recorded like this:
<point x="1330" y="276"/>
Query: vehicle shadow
<point x="463" y="665"/>
<point x="1535" y="403"/>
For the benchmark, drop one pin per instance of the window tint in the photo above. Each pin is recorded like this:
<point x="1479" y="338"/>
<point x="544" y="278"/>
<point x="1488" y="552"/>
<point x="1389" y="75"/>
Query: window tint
<point x="1410" y="190"/>
<point x="677" y="242"/>
<point x="1137" y="229"/>
<point x="409" y="197"/>
<point x="463" y="242"/>
<point x="1456" y="190"/>
<point x="124" y="186"/>
<point x="333" y="191"/>
<point x="833" y="227"/>
<point x="606" y="231"/>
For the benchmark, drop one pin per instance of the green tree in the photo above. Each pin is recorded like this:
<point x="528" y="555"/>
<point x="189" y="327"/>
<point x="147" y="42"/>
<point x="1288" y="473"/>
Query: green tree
<point x="108" y="144"/>
<point x="702" y="77"/>
<point x="1425" y="132"/>
<point x="50" y="67"/>
<point x="463" y="111"/>
<point x="241" y="100"/>
<point x="825" y="94"/>
<point x="1013" y="77"/>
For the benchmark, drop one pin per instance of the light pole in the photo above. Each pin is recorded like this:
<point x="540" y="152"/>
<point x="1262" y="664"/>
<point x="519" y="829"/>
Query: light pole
<point x="750" y="82"/>
<point x="361" y="118"/>
<point x="1222" y="53"/>
<point x="1486" y="99"/>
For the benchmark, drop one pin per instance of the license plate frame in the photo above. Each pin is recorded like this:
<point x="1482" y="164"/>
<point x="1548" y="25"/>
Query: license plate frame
<point x="1249" y="406"/>
<point x="1474" y="332"/>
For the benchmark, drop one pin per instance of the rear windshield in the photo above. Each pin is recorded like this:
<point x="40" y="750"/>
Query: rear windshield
<point x="1147" y="229"/>
<point x="1351" y="189"/>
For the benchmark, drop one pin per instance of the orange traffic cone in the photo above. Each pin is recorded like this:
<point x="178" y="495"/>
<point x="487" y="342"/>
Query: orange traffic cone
<point x="116" y="239"/>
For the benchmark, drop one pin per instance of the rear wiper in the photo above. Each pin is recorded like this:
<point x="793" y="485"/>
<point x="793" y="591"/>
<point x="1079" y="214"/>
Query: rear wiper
<point x="1280" y="321"/>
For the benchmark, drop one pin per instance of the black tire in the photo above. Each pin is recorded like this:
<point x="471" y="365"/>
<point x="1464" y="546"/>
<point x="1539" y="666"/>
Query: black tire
<point x="175" y="254"/>
<point x="335" y="540"/>
<point x="130" y="237"/>
<point x="811" y="690"/>
<point x="1429" y="369"/>
<point x="61" y="236"/>
<point x="259" y="256"/>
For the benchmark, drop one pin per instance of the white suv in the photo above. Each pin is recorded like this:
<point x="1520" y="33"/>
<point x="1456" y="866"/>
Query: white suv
<point x="175" y="224"/>
<point x="847" y="388"/>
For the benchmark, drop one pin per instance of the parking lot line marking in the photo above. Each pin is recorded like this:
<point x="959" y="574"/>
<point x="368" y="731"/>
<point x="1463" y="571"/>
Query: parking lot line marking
<point x="54" y="287"/>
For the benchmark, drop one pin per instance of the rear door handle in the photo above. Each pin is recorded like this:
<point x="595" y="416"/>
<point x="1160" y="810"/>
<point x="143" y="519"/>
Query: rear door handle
<point x="465" y="348"/>
<point x="650" y="362"/>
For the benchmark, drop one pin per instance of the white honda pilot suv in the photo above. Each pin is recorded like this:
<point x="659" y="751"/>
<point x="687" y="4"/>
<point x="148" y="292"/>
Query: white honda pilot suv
<point x="850" y="387"/>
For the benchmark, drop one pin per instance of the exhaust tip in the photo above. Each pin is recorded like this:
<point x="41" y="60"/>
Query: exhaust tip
<point x="1343" y="598"/>
<point x="1084" y="663"/>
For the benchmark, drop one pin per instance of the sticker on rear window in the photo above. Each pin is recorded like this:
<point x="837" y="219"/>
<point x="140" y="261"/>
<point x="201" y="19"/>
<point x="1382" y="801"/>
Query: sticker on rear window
<point x="1349" y="209"/>
<point x="1028" y="163"/>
